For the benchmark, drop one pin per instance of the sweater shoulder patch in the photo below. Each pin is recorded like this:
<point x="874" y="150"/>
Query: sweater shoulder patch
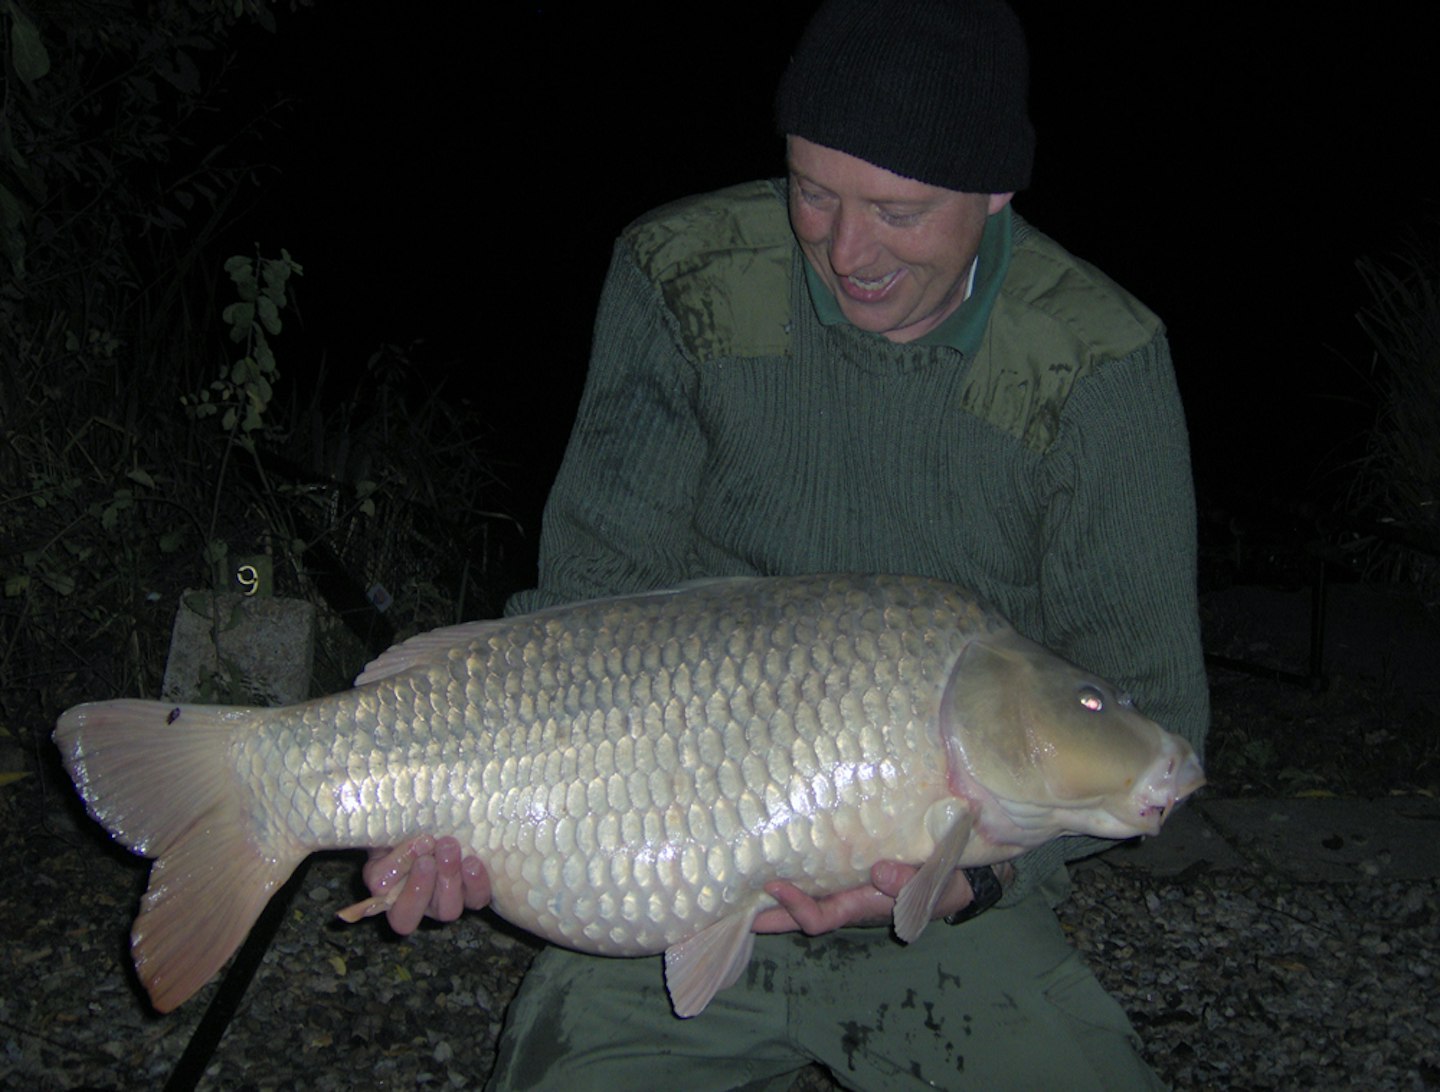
<point x="1056" y="320"/>
<point x="722" y="261"/>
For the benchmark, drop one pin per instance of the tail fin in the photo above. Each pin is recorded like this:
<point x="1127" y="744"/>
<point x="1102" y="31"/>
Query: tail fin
<point x="160" y="779"/>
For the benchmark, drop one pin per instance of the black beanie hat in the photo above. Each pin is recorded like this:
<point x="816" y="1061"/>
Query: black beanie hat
<point x="929" y="89"/>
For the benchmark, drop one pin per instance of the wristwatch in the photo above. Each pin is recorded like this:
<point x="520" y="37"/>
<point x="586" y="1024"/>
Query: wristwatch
<point x="986" y="887"/>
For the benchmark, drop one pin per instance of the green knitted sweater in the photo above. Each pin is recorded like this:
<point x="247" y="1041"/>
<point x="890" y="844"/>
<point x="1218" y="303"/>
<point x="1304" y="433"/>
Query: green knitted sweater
<point x="1032" y="448"/>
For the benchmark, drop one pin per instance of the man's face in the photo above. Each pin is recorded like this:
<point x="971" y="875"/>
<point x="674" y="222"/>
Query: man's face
<point x="895" y="252"/>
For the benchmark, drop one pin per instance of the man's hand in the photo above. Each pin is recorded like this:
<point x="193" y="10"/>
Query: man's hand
<point x="439" y="882"/>
<point x="872" y="905"/>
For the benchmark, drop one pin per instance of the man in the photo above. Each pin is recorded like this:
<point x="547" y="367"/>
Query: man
<point x="873" y="366"/>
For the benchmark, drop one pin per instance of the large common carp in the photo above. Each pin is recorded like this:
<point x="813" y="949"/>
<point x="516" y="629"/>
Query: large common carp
<point x="634" y="770"/>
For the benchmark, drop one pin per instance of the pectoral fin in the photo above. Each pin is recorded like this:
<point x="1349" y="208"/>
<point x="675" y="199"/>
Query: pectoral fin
<point x="700" y="967"/>
<point x="917" y="900"/>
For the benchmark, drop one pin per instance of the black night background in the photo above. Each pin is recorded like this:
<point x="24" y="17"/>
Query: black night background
<point x="451" y="177"/>
<point x="459" y="177"/>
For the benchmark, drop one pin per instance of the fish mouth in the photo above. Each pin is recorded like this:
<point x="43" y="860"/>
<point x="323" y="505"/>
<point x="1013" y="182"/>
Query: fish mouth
<point x="1171" y="780"/>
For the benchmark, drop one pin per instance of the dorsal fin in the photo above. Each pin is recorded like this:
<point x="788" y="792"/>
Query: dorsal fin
<point x="424" y="648"/>
<point x="433" y="646"/>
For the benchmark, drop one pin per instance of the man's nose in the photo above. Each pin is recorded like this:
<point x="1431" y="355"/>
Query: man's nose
<point x="852" y="243"/>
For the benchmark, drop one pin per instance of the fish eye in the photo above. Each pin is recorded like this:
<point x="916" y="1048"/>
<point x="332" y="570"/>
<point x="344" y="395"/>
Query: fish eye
<point x="1091" y="699"/>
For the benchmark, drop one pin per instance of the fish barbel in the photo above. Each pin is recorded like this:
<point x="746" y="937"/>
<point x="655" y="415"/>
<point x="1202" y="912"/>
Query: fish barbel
<point x="633" y="770"/>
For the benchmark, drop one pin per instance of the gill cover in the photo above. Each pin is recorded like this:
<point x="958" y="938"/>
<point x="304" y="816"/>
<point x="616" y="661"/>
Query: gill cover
<point x="1031" y="727"/>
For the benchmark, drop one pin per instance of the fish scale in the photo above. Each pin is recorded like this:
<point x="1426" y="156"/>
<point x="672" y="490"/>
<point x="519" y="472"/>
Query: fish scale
<point x="633" y="771"/>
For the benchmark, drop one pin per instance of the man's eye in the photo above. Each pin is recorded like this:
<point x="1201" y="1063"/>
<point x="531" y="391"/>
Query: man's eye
<point x="899" y="219"/>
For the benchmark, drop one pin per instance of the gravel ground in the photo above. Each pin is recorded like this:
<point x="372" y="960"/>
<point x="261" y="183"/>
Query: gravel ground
<point x="1235" y="980"/>
<point x="1245" y="981"/>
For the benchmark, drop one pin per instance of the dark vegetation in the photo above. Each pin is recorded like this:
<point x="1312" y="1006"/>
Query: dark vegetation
<point x="1363" y="720"/>
<point x="156" y="426"/>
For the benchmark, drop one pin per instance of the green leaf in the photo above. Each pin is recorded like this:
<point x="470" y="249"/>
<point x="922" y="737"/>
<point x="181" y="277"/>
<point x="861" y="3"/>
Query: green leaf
<point x="123" y="499"/>
<point x="141" y="478"/>
<point x="62" y="583"/>
<point x="27" y="51"/>
<point x="275" y="274"/>
<point x="181" y="74"/>
<point x="240" y="316"/>
<point x="269" y="314"/>
<point x="242" y="272"/>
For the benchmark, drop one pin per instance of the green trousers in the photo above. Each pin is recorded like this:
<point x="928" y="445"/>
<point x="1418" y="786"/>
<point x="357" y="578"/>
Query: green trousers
<point x="999" y="1002"/>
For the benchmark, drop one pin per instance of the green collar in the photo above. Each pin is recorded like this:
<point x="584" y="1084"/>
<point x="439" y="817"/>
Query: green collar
<point x="964" y="328"/>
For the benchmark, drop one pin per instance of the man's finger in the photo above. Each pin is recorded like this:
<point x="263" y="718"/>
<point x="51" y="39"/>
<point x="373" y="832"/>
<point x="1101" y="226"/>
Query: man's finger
<point x="405" y="915"/>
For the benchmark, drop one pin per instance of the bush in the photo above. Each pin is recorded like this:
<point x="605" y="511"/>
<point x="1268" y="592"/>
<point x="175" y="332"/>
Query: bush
<point x="147" y="438"/>
<point x="1398" y="481"/>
